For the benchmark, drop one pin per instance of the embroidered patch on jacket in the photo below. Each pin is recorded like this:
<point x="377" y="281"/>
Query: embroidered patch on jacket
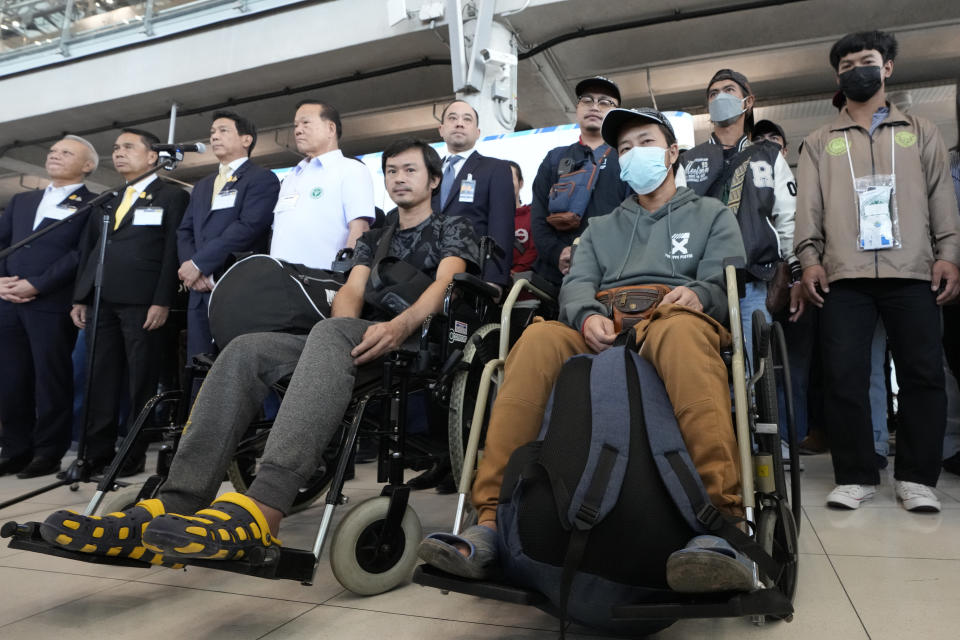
<point x="905" y="138"/>
<point x="837" y="147"/>
<point x="316" y="193"/>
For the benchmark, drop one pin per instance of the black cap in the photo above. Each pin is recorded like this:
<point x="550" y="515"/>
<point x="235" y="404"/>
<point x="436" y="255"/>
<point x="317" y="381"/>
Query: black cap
<point x="599" y="81"/>
<point x="768" y="126"/>
<point x="730" y="74"/>
<point x="617" y="118"/>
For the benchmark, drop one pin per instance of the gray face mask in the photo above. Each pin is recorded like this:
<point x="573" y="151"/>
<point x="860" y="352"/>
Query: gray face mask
<point x="725" y="109"/>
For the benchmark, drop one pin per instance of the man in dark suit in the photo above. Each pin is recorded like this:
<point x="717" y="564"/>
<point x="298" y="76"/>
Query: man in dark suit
<point x="139" y="284"/>
<point x="229" y="211"/>
<point x="476" y="187"/>
<point x="36" y="335"/>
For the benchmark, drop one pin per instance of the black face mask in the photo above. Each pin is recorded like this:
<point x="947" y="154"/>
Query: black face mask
<point x="861" y="83"/>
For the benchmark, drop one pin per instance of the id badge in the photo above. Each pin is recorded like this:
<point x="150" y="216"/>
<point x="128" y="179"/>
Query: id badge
<point x="148" y="216"/>
<point x="224" y="200"/>
<point x="61" y="212"/>
<point x="877" y="213"/>
<point x="287" y="202"/>
<point x="467" y="189"/>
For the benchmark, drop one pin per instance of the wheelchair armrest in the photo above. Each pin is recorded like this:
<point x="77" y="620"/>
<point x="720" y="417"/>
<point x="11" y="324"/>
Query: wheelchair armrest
<point x="472" y="283"/>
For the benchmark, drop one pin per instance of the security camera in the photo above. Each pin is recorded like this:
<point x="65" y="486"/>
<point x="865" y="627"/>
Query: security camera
<point x="491" y="56"/>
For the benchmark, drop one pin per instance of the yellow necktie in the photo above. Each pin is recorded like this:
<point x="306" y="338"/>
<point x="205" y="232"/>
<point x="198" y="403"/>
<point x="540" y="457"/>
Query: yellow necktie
<point x="220" y="180"/>
<point x="125" y="205"/>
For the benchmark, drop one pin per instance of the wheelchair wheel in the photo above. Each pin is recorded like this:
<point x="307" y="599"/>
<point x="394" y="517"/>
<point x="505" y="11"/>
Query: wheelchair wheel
<point x="482" y="347"/>
<point x="366" y="563"/>
<point x="777" y="534"/>
<point x="119" y="500"/>
<point x="243" y="468"/>
<point x="766" y="387"/>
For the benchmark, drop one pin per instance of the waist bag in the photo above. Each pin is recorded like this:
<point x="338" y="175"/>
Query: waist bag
<point x="570" y="194"/>
<point x="590" y="512"/>
<point x="628" y="305"/>
<point x="261" y="293"/>
<point x="394" y="284"/>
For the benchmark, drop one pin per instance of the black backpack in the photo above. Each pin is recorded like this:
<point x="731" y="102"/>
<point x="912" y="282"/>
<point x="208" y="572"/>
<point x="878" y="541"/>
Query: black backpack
<point x="590" y="512"/>
<point x="261" y="293"/>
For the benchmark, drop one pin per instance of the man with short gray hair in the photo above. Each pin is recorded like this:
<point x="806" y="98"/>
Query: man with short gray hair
<point x="36" y="334"/>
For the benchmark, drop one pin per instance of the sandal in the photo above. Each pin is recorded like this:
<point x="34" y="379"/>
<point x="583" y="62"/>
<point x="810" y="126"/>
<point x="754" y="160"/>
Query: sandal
<point x="226" y="530"/>
<point x="709" y="564"/>
<point x="115" y="534"/>
<point x="439" y="550"/>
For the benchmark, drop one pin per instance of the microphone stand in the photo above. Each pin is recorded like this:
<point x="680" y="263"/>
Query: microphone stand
<point x="79" y="469"/>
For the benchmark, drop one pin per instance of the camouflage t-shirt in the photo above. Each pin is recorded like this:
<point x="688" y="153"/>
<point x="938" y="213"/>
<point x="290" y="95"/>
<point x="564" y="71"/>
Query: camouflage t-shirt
<point x="424" y="245"/>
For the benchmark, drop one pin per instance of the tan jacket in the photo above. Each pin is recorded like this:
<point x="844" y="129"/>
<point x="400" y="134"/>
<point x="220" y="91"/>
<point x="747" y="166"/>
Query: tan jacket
<point x="827" y="219"/>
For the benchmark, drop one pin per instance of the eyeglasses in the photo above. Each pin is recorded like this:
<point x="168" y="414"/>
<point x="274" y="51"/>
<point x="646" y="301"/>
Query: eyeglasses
<point x="589" y="101"/>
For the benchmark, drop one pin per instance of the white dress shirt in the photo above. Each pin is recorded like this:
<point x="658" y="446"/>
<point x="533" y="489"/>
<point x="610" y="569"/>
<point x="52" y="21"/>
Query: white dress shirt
<point x="317" y="202"/>
<point x="463" y="154"/>
<point x="49" y="206"/>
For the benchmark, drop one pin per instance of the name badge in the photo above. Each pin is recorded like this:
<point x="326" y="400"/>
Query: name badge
<point x="287" y="202"/>
<point x="148" y="216"/>
<point x="224" y="200"/>
<point x="61" y="212"/>
<point x="467" y="189"/>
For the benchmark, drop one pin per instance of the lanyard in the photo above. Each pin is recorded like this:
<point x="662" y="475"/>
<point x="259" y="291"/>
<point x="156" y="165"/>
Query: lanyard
<point x="893" y="159"/>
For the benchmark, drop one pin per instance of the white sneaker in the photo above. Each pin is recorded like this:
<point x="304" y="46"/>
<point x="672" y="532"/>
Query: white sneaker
<point x="850" y="496"/>
<point x="916" y="496"/>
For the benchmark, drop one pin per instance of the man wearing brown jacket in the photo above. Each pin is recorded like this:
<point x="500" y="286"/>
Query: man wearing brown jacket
<point x="877" y="233"/>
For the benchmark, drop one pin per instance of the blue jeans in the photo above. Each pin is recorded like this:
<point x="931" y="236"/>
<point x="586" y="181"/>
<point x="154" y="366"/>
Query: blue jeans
<point x="755" y="298"/>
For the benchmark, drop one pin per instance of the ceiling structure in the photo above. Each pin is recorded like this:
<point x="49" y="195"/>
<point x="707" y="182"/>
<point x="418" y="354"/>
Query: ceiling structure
<point x="782" y="49"/>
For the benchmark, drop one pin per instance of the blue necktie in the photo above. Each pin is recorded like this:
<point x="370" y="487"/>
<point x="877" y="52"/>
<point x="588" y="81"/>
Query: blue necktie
<point x="449" y="176"/>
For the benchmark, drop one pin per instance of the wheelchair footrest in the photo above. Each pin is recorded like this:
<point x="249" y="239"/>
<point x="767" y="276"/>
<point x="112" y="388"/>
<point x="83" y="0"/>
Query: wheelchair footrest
<point x="428" y="576"/>
<point x="273" y="564"/>
<point x="26" y="537"/>
<point x="769" y="602"/>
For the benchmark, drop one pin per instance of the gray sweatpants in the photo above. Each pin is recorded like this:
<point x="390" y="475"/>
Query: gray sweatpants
<point x="232" y="393"/>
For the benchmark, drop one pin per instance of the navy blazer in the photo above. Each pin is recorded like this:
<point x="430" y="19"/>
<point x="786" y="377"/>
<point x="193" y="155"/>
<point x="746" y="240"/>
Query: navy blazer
<point x="49" y="262"/>
<point x="491" y="211"/>
<point x="140" y="266"/>
<point x="210" y="237"/>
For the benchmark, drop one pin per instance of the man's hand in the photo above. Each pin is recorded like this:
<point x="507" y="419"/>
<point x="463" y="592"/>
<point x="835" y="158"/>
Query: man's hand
<point x="189" y="273"/>
<point x="379" y="339"/>
<point x="78" y="313"/>
<point x="564" y="263"/>
<point x="797" y="302"/>
<point x="598" y="332"/>
<point x="947" y="275"/>
<point x="156" y="317"/>
<point x="814" y="276"/>
<point x="18" y="290"/>
<point x="203" y="284"/>
<point x="684" y="297"/>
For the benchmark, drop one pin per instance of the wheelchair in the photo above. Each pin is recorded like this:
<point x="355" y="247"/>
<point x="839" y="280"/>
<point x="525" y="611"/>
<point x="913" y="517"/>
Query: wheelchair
<point x="373" y="549"/>
<point x="772" y="508"/>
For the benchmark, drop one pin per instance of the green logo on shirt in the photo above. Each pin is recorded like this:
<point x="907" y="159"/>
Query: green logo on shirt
<point x="905" y="138"/>
<point x="837" y="147"/>
<point x="316" y="193"/>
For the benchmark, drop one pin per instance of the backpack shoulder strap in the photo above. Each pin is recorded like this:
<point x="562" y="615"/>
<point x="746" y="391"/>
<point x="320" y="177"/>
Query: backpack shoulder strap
<point x="383" y="248"/>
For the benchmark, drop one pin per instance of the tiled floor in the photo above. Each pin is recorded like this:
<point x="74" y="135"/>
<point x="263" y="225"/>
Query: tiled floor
<point x="879" y="573"/>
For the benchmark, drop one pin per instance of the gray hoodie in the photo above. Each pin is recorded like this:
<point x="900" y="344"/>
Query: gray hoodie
<point x="682" y="243"/>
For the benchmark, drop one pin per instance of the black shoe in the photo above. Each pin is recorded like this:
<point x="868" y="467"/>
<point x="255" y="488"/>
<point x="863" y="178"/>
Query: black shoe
<point x="431" y="477"/>
<point x="40" y="467"/>
<point x="952" y="464"/>
<point x="447" y="486"/>
<point x="13" y="465"/>
<point x="133" y="466"/>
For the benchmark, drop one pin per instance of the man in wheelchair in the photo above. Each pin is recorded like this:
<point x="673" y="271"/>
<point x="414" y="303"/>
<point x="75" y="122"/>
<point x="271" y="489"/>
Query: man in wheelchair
<point x="672" y="243"/>
<point x="324" y="365"/>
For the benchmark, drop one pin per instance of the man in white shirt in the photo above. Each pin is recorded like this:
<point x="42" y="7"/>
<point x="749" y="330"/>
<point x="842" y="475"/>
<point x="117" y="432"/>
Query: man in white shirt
<point x="36" y="335"/>
<point x="326" y="201"/>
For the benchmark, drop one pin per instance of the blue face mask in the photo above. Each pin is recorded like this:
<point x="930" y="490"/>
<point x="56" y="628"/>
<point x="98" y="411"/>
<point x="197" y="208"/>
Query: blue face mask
<point x="643" y="168"/>
<point x="725" y="109"/>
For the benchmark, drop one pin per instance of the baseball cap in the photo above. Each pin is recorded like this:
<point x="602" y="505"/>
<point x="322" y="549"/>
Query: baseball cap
<point x="730" y="74"/>
<point x="768" y="126"/>
<point x="598" y="81"/>
<point x="616" y="119"/>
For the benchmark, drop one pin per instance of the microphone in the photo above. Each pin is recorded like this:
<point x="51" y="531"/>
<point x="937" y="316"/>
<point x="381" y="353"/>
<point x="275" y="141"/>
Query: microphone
<point x="180" y="147"/>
